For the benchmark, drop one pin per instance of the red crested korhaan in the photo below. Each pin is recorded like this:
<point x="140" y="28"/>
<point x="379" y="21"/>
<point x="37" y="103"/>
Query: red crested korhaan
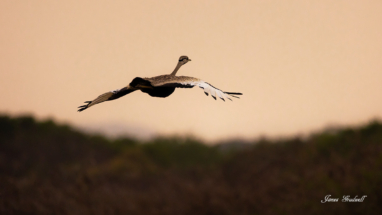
<point x="162" y="86"/>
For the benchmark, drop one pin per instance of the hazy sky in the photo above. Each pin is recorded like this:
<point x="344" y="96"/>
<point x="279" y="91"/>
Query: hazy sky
<point x="301" y="65"/>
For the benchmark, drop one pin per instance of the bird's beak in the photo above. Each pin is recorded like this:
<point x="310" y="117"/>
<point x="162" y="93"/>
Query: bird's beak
<point x="189" y="59"/>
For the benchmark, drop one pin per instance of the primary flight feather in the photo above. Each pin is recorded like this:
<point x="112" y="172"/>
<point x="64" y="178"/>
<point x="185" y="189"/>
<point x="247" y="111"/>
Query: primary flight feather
<point x="162" y="86"/>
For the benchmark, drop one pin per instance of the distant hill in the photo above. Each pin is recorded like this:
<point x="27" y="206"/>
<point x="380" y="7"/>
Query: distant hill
<point x="47" y="168"/>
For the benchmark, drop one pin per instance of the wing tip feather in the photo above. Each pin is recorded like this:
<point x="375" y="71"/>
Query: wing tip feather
<point x="81" y="109"/>
<point x="233" y="93"/>
<point x="84" y="107"/>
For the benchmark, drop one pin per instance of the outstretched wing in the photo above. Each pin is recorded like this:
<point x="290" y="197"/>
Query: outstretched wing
<point x="115" y="94"/>
<point x="190" y="82"/>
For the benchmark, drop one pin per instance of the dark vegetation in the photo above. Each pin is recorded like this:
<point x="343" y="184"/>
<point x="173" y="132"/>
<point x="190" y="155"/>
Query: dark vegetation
<point x="47" y="168"/>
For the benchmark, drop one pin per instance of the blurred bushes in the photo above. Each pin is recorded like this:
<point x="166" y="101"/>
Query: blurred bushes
<point x="47" y="168"/>
<point x="181" y="152"/>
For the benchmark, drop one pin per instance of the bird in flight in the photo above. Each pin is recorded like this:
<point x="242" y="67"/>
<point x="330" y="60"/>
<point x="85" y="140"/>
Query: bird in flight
<point x="162" y="86"/>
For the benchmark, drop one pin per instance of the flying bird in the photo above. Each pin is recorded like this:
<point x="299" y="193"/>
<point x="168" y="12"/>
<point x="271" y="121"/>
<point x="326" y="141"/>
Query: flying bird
<point x="162" y="86"/>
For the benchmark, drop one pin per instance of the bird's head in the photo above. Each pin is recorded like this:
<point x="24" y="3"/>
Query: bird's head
<point x="183" y="60"/>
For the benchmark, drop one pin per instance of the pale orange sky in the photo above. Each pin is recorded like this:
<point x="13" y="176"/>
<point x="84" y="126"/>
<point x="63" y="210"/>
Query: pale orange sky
<point x="301" y="65"/>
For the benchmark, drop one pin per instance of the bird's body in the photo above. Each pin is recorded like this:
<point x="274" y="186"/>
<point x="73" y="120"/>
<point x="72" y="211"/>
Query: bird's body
<point x="161" y="86"/>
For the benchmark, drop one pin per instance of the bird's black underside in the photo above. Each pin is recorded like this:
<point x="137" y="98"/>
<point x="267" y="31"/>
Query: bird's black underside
<point x="161" y="92"/>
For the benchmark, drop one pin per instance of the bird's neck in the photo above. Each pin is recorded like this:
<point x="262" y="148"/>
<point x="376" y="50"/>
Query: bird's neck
<point x="176" y="69"/>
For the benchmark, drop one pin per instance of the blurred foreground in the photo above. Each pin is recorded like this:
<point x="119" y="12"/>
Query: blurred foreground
<point x="53" y="169"/>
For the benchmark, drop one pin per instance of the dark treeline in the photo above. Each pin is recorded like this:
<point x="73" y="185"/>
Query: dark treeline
<point x="47" y="168"/>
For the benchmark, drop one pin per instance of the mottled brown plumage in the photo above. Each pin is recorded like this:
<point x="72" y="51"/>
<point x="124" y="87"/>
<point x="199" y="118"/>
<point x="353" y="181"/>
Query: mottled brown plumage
<point x="162" y="86"/>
